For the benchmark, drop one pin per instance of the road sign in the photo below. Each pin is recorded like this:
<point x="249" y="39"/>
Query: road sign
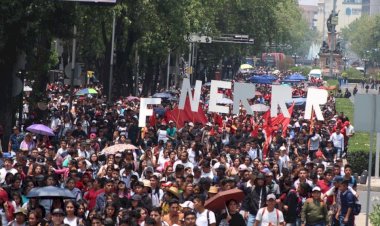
<point x="198" y="38"/>
<point x="96" y="1"/>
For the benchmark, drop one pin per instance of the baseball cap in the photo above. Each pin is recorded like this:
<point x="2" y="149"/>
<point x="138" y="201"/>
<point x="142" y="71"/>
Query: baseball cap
<point x="271" y="196"/>
<point x="136" y="197"/>
<point x="316" y="189"/>
<point x="337" y="179"/>
<point x="58" y="211"/>
<point x="187" y="204"/>
<point x="243" y="167"/>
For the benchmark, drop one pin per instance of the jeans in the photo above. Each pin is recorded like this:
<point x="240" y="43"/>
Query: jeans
<point x="297" y="223"/>
<point x="338" y="152"/>
<point x="349" y="223"/>
<point x="318" y="224"/>
<point x="251" y="219"/>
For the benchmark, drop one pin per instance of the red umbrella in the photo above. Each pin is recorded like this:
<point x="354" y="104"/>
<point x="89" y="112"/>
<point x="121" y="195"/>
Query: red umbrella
<point x="218" y="202"/>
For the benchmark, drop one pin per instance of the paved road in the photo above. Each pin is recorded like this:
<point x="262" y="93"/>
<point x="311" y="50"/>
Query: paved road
<point x="374" y="199"/>
<point x="351" y="86"/>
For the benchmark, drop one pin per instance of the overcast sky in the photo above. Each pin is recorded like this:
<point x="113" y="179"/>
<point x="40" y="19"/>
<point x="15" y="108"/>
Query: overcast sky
<point x="308" y="2"/>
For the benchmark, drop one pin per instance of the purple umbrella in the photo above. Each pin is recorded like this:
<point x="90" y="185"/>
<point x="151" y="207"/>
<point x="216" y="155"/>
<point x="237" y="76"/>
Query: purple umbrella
<point x="40" y="129"/>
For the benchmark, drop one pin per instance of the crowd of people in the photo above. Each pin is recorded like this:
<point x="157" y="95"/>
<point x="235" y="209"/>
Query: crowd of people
<point x="296" y="175"/>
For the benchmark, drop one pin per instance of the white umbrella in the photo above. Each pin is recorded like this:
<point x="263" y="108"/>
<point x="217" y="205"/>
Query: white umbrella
<point x="28" y="89"/>
<point x="224" y="101"/>
<point x="259" y="107"/>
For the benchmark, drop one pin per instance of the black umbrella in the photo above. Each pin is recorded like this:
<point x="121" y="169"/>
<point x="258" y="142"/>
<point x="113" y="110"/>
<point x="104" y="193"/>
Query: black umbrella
<point x="48" y="192"/>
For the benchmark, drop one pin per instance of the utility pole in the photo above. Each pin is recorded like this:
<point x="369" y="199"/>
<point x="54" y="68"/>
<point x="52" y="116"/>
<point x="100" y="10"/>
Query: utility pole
<point x="168" y="72"/>
<point x="73" y="67"/>
<point x="111" y="62"/>
<point x="332" y="38"/>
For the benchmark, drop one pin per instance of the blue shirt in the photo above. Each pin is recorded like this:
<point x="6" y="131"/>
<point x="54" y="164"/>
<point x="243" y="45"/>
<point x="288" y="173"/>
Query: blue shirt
<point x="347" y="200"/>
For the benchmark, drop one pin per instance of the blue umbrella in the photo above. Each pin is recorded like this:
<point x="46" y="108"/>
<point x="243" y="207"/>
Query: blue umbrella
<point x="262" y="79"/>
<point x="162" y="95"/>
<point x="50" y="192"/>
<point x="297" y="101"/>
<point x="294" y="78"/>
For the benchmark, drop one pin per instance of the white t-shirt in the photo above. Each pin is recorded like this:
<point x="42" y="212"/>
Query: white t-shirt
<point x="202" y="218"/>
<point x="72" y="222"/>
<point x="265" y="217"/>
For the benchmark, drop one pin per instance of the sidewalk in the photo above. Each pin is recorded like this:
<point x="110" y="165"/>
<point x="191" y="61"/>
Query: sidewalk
<point x="360" y="220"/>
<point x="375" y="185"/>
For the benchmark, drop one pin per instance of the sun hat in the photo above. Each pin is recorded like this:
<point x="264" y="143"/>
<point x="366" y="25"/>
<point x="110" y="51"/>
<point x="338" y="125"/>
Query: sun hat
<point x="213" y="190"/>
<point x="174" y="191"/>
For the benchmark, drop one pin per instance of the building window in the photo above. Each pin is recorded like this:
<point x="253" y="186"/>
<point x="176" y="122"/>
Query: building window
<point x="348" y="11"/>
<point x="352" y="1"/>
<point x="356" y="11"/>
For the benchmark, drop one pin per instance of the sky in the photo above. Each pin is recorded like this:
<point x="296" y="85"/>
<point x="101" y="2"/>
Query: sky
<point x="308" y="2"/>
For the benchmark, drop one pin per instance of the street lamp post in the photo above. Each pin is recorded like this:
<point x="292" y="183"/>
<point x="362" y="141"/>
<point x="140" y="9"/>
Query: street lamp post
<point x="295" y="56"/>
<point x="345" y="60"/>
<point x="365" y="60"/>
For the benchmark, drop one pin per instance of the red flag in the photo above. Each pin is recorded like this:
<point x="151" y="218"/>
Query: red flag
<point x="218" y="119"/>
<point x="180" y="116"/>
<point x="272" y="125"/>
<point x="152" y="120"/>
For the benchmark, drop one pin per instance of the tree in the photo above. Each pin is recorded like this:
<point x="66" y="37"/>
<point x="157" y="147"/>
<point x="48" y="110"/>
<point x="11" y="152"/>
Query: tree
<point x="26" y="28"/>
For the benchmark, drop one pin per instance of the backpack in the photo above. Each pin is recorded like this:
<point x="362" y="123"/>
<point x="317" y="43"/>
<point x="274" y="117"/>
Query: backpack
<point x="357" y="207"/>
<point x="277" y="215"/>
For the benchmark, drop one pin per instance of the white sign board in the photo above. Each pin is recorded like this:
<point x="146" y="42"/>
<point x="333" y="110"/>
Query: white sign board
<point x="364" y="113"/>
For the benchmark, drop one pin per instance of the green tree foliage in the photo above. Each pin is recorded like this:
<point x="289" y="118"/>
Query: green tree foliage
<point x="363" y="34"/>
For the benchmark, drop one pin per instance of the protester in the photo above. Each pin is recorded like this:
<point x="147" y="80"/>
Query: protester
<point x="166" y="172"/>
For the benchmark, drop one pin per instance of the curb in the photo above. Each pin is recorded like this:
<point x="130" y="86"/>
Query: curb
<point x="363" y="187"/>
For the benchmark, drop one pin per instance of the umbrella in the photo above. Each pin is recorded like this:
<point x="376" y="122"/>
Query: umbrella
<point x="132" y="98"/>
<point x="265" y="79"/>
<point x="162" y="95"/>
<point x="50" y="192"/>
<point x="40" y="129"/>
<point x="245" y="66"/>
<point x="224" y="101"/>
<point x="294" y="78"/>
<point x="260" y="107"/>
<point x="28" y="89"/>
<point x="297" y="101"/>
<point x="218" y="202"/>
<point x="86" y="91"/>
<point x="118" y="148"/>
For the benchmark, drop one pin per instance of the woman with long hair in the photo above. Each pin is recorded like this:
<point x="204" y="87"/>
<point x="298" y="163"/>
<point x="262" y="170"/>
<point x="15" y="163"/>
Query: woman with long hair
<point x="187" y="194"/>
<point x="111" y="211"/>
<point x="234" y="169"/>
<point x="149" y="158"/>
<point x="71" y="209"/>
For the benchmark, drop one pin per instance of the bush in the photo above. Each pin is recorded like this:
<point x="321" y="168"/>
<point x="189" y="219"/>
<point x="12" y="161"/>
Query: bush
<point x="359" y="161"/>
<point x="304" y="70"/>
<point x="352" y="73"/>
<point x="374" y="217"/>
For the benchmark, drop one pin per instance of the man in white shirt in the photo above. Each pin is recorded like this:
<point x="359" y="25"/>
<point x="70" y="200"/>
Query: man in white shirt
<point x="7" y="169"/>
<point x="205" y="217"/>
<point x="338" y="141"/>
<point x="206" y="170"/>
<point x="269" y="215"/>
<point x="184" y="161"/>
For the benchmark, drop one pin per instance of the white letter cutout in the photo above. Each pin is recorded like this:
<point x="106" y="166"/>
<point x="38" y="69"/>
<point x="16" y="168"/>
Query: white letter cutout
<point x="186" y="90"/>
<point x="315" y="97"/>
<point x="280" y="95"/>
<point x="214" y="95"/>
<point x="242" y="92"/>
<point x="144" y="111"/>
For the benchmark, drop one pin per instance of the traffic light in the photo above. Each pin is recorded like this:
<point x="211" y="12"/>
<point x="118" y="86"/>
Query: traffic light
<point x="90" y="74"/>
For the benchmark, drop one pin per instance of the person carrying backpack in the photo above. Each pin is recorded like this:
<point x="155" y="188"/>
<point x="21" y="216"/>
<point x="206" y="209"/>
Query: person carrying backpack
<point x="269" y="215"/>
<point x="314" y="211"/>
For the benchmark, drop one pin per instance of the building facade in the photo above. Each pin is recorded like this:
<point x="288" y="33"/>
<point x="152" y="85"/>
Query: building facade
<point x="371" y="7"/>
<point x="349" y="11"/>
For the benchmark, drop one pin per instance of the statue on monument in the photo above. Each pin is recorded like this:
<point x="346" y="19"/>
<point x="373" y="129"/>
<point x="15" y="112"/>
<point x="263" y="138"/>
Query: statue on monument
<point x="329" y="22"/>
